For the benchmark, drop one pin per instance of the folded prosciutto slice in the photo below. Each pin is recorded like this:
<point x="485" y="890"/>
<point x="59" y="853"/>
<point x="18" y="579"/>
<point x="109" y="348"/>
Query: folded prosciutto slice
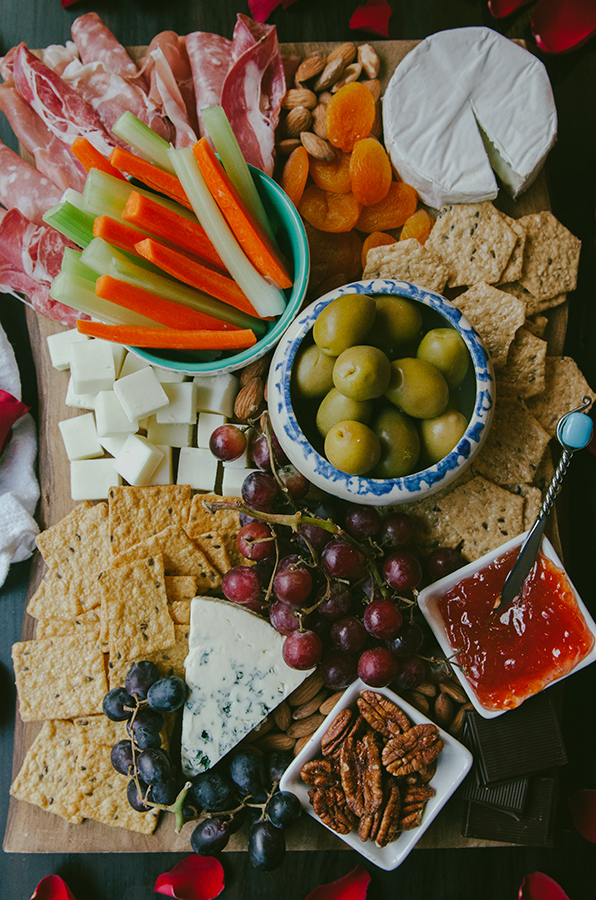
<point x="209" y="56"/>
<point x="96" y="43"/>
<point x="168" y="69"/>
<point x="25" y="188"/>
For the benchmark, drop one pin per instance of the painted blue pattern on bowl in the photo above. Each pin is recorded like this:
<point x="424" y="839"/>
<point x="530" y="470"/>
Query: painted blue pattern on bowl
<point x="378" y="491"/>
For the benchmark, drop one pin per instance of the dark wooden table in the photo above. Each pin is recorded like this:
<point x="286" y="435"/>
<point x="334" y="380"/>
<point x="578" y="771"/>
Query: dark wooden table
<point x="496" y="873"/>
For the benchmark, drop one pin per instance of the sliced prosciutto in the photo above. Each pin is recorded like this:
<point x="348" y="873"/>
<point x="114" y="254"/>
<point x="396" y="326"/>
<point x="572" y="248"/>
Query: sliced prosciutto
<point x="173" y="69"/>
<point x="25" y="188"/>
<point x="210" y="56"/>
<point x="96" y="43"/>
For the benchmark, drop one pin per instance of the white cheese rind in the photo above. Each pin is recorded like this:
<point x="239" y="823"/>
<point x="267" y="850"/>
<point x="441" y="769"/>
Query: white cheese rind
<point x="461" y="100"/>
<point x="236" y="676"/>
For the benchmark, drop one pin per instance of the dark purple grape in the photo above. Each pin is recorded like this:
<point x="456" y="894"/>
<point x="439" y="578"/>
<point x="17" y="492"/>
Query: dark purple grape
<point x="320" y="625"/>
<point x="118" y="705"/>
<point x="134" y="798"/>
<point x="382" y="619"/>
<point x="276" y="764"/>
<point x="246" y="519"/>
<point x="259" y="490"/>
<point x="153" y="766"/>
<point x="284" y="809"/>
<point x="264" y="568"/>
<point x="377" y="667"/>
<point x="339" y="669"/>
<point x="438" y="670"/>
<point x="259" y="451"/>
<point x="316" y="536"/>
<point x="213" y="791"/>
<point x="140" y="677"/>
<point x="444" y="561"/>
<point x="362" y="522"/>
<point x="338" y="601"/>
<point x="281" y="616"/>
<point x="371" y="589"/>
<point x="329" y="509"/>
<point x="402" y="571"/>
<point x="168" y="694"/>
<point x="302" y="650"/>
<point x="241" y="584"/>
<point x="348" y="634"/>
<point x="255" y="541"/>
<point x="294" y="481"/>
<point x="411" y="672"/>
<point x="408" y="641"/>
<point x="266" y="846"/>
<point x="247" y="771"/>
<point x="146" y="727"/>
<point x="165" y="792"/>
<point x="210" y="836"/>
<point x="341" y="559"/>
<point x="396" y="531"/>
<point x="227" y="442"/>
<point x="121" y="757"/>
<point x="292" y="582"/>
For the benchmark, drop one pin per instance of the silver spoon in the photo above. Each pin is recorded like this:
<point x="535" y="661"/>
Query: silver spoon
<point x="574" y="432"/>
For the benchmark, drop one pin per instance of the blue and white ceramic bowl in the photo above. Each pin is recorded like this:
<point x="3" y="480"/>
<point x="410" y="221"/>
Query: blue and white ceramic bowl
<point x="476" y="396"/>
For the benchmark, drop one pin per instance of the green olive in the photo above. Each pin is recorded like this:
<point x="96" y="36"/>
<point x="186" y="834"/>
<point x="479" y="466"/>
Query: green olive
<point x="312" y="373"/>
<point x="352" y="447"/>
<point x="343" y="323"/>
<point x="362" y="372"/>
<point x="440" y="435"/>
<point x="417" y="388"/>
<point x="397" y="323"/>
<point x="446" y="349"/>
<point x="336" y="407"/>
<point x="400" y="443"/>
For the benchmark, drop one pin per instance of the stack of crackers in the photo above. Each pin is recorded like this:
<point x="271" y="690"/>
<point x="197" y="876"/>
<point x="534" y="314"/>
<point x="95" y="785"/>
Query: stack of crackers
<point x="119" y="580"/>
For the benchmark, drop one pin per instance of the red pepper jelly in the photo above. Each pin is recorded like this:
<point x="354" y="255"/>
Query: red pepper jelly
<point x="511" y="654"/>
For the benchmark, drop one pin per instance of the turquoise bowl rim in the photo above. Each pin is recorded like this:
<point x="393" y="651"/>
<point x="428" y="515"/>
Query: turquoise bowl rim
<point x="291" y="222"/>
<point x="378" y="491"/>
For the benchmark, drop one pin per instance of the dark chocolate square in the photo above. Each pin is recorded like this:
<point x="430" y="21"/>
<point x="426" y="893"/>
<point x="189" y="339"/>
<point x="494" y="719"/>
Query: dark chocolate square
<point x="532" y="828"/>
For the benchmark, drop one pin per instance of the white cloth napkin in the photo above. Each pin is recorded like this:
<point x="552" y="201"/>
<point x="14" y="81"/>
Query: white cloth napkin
<point x="19" y="488"/>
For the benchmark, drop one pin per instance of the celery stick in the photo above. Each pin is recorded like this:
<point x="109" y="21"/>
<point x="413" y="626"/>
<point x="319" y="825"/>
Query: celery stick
<point x="105" y="195"/>
<point x="99" y="254"/>
<point x="73" y="223"/>
<point x="169" y="289"/>
<point x="144" y="139"/>
<point x="74" y="197"/>
<point x="74" y="292"/>
<point x="232" y="159"/>
<point x="72" y="265"/>
<point x="267" y="299"/>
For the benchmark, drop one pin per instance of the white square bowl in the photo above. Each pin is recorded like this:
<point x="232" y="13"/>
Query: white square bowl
<point x="428" y="600"/>
<point x="453" y="765"/>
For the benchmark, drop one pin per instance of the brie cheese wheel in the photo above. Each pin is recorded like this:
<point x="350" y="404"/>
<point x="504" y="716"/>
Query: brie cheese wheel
<point x="236" y="675"/>
<point x="462" y="103"/>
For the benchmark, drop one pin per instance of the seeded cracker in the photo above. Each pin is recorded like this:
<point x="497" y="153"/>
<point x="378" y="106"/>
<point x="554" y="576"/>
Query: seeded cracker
<point x="213" y="546"/>
<point x="474" y="241"/>
<point x="87" y="623"/>
<point x="515" y="445"/>
<point x="136" y="513"/>
<point x="407" y="261"/>
<point x="536" y="325"/>
<point x="181" y="556"/>
<point x="524" y="374"/>
<point x="181" y="588"/>
<point x="513" y="269"/>
<point x="169" y="661"/>
<point x="551" y="256"/>
<point x="431" y="529"/>
<point x="532" y="501"/>
<point x="55" y="542"/>
<point x="565" y="387"/>
<point x="533" y="305"/>
<point x="485" y="515"/>
<point x="225" y="522"/>
<point x="48" y="775"/>
<point x="496" y="316"/>
<point x="54" y="600"/>
<point x="59" y="678"/>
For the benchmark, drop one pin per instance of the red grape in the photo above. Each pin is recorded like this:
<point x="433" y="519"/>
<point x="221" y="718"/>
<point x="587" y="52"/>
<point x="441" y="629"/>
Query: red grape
<point x="339" y="669"/>
<point x="443" y="561"/>
<point x="315" y="535"/>
<point x="281" y="616"/>
<point x="341" y="559"/>
<point x="438" y="670"/>
<point x="259" y="490"/>
<point x="396" y="530"/>
<point x="377" y="667"/>
<point x="408" y="641"/>
<point x="411" y="672"/>
<point x="362" y="522"/>
<point x="348" y="634"/>
<point x="227" y="442"/>
<point x="294" y="481"/>
<point x="255" y="541"/>
<point x="337" y="603"/>
<point x="292" y="582"/>
<point x="302" y="650"/>
<point x="382" y="619"/>
<point x="402" y="571"/>
<point x="259" y="451"/>
<point x="241" y="584"/>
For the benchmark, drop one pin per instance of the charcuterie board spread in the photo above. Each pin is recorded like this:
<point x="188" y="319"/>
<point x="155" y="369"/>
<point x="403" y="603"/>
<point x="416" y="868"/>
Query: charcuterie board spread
<point x="115" y="579"/>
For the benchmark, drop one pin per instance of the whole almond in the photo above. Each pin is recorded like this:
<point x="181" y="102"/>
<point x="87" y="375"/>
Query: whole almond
<point x="369" y="60"/>
<point x="317" y="147"/>
<point x="318" y="121"/>
<point x="346" y="51"/>
<point x="328" y="704"/>
<point x="374" y="86"/>
<point x="325" y="96"/>
<point x="277" y="741"/>
<point x="458" y="721"/>
<point x="351" y="73"/>
<point x="307" y="709"/>
<point x="282" y="716"/>
<point x="443" y="710"/>
<point x="255" y="369"/>
<point x="330" y="74"/>
<point x="297" y="120"/>
<point x="309" y="67"/>
<point x="300" y="743"/>
<point x="377" y="129"/>
<point x="309" y="688"/>
<point x="454" y="690"/>
<point x="418" y="701"/>
<point x="305" y="726"/>
<point x="249" y="399"/>
<point x="299" y="97"/>
<point x="287" y="146"/>
<point x="427" y="688"/>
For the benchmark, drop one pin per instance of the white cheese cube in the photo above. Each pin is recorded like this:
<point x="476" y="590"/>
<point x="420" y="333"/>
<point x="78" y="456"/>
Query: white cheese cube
<point x="92" y="366"/>
<point x="198" y="468"/>
<point x="111" y="418"/>
<point x="80" y="437"/>
<point x="140" y="394"/>
<point x="207" y="423"/>
<point x="232" y="480"/>
<point x="138" y="460"/>
<point x="177" y="435"/>
<point x="132" y="363"/>
<point x="166" y="376"/>
<point x="216" y="393"/>
<point x="113" y="445"/>
<point x="91" y="479"/>
<point x="182" y="406"/>
<point x="164" y="474"/>
<point x="59" y="345"/>
<point x="119" y="354"/>
<point x="79" y="401"/>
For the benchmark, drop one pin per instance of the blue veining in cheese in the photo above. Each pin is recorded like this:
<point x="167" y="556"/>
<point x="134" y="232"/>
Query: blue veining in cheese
<point x="236" y="676"/>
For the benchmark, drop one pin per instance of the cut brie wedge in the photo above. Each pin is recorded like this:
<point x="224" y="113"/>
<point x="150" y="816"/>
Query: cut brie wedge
<point x="462" y="103"/>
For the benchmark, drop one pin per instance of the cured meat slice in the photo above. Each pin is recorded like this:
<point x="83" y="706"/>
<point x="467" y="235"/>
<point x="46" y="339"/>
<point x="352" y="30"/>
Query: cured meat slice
<point x="173" y="47"/>
<point x="25" y="188"/>
<point x="164" y="84"/>
<point x="96" y="43"/>
<point x="58" y="56"/>
<point x="59" y="106"/>
<point x="210" y="56"/>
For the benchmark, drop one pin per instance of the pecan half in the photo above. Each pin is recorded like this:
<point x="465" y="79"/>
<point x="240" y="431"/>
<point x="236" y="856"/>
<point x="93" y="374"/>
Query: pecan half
<point x="336" y="733"/>
<point x="351" y="776"/>
<point x="320" y="772"/>
<point x="371" y="772"/>
<point x="414" y="750"/>
<point x="330" y="806"/>
<point x="387" y="825"/>
<point x="382" y="715"/>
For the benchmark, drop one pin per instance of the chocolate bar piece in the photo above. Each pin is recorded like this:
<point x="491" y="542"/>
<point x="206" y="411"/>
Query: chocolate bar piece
<point x="533" y="828"/>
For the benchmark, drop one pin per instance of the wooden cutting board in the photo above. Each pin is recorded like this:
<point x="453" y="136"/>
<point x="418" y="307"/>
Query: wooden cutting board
<point x="32" y="830"/>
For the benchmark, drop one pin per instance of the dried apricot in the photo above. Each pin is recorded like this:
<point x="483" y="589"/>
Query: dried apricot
<point x="295" y="173"/>
<point x="329" y="211"/>
<point x="332" y="176"/>
<point x="334" y="259"/>
<point x="399" y="204"/>
<point x="375" y="239"/>
<point x="418" y="226"/>
<point x="370" y="171"/>
<point x="350" y="115"/>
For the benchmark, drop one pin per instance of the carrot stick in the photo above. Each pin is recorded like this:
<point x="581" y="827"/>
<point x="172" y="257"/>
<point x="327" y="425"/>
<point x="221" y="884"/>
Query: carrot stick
<point x="155" y="178"/>
<point x="168" y="338"/>
<point x="166" y="312"/>
<point x="119" y="235"/>
<point x="247" y="229"/>
<point x="149" y="216"/>
<point x="91" y="158"/>
<point x="179" y="266"/>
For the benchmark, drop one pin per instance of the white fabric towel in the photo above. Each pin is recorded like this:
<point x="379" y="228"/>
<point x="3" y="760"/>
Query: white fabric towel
<point x="19" y="488"/>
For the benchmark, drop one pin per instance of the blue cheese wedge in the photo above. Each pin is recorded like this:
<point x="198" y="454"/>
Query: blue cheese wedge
<point x="463" y="103"/>
<point x="236" y="675"/>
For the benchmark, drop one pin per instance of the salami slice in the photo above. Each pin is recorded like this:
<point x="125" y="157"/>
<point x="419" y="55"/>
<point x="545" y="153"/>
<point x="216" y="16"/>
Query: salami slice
<point x="209" y="56"/>
<point x="25" y="188"/>
<point x="96" y="43"/>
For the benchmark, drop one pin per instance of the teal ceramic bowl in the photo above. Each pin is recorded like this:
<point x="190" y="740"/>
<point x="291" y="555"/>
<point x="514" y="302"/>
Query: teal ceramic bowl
<point x="291" y="238"/>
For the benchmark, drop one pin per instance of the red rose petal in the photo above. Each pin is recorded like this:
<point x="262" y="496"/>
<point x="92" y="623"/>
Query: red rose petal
<point x="373" y="17"/>
<point x="66" y="3"/>
<point x="194" y="878"/>
<point x="539" y="886"/>
<point x="352" y="886"/>
<point x="583" y="810"/>
<point x="564" y="25"/>
<point x="499" y="9"/>
<point x="11" y="410"/>
<point x="261" y="9"/>
<point x="52" y="888"/>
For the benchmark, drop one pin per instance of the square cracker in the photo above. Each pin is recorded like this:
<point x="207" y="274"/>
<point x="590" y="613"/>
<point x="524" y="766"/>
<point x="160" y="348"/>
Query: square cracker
<point x="485" y="515"/>
<point x="180" y="612"/>
<point x="565" y="389"/>
<point x="551" y="256"/>
<point x="513" y="269"/>
<point x="532" y="501"/>
<point x="54" y="542"/>
<point x="407" y="261"/>
<point x="214" y="547"/>
<point x="474" y="241"/>
<point x="523" y="376"/>
<point x="169" y="661"/>
<point x="54" y="599"/>
<point x="181" y="588"/>
<point x="59" y="677"/>
<point x="99" y="730"/>
<point x="181" y="556"/>
<point x="77" y="544"/>
<point x="533" y="305"/>
<point x="495" y="315"/>
<point x="48" y="775"/>
<point x="225" y="522"/>
<point x="537" y="325"/>
<point x="515" y="444"/>
<point x="136" y="513"/>
<point x="431" y="529"/>
<point x="86" y="623"/>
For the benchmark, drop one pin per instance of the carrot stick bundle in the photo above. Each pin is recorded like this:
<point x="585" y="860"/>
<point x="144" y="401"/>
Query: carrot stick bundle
<point x="154" y="177"/>
<point x="91" y="158"/>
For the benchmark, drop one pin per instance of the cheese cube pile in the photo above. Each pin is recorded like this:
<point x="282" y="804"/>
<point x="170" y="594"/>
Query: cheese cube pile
<point x="145" y="425"/>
